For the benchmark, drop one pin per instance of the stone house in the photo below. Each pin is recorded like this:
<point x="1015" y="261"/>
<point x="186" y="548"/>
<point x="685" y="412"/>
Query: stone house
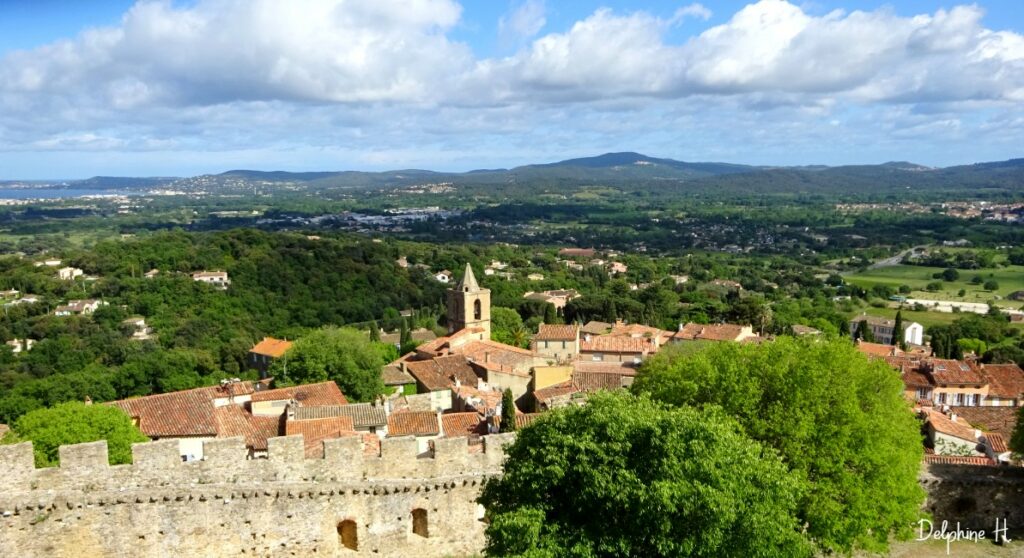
<point x="264" y="353"/>
<point x="558" y="343"/>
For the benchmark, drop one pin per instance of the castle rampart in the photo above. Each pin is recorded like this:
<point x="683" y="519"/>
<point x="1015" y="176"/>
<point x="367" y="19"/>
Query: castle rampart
<point x="396" y="503"/>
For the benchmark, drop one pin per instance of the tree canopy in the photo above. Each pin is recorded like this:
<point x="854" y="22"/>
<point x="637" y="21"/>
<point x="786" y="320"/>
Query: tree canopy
<point x="75" y="423"/>
<point x="343" y="355"/>
<point x="839" y="421"/>
<point x="626" y="476"/>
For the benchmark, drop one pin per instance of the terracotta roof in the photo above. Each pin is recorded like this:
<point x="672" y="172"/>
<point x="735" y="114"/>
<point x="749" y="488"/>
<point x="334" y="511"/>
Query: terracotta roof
<point x="308" y="395"/>
<point x="393" y="375"/>
<point x="233" y="420"/>
<point x="493" y="352"/>
<point x="551" y="332"/>
<point x="526" y="419"/>
<point x="997" y="442"/>
<point x="710" y="332"/>
<point x="478" y="400"/>
<point x="958" y="460"/>
<point x="593" y="381"/>
<point x="1001" y="420"/>
<point x="877" y="349"/>
<point x="180" y="413"/>
<point x="604" y="367"/>
<point x="363" y="415"/>
<point x="596" y="328"/>
<point x="271" y="347"/>
<point x="462" y="424"/>
<point x="584" y="252"/>
<point x="608" y="344"/>
<point x="954" y="372"/>
<point x="635" y="330"/>
<point x="946" y="425"/>
<point x="413" y="423"/>
<point x="1004" y="380"/>
<point x="556" y="390"/>
<point x="440" y="373"/>
<point x="315" y="431"/>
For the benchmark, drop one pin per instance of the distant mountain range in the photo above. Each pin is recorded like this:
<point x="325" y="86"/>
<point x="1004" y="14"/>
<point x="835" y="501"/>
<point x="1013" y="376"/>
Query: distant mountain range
<point x="634" y="167"/>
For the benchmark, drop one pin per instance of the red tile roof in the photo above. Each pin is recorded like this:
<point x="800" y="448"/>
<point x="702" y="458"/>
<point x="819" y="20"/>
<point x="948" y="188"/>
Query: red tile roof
<point x="594" y="381"/>
<point x="233" y="420"/>
<point x="604" y="367"/>
<point x="913" y="378"/>
<point x="308" y="395"/>
<point x="710" y="332"/>
<point x="997" y="442"/>
<point x="271" y="347"/>
<point x="492" y="353"/>
<point x="959" y="428"/>
<point x="954" y="372"/>
<point x="958" y="460"/>
<point x="440" y="373"/>
<point x="877" y="349"/>
<point x="462" y="424"/>
<point x="526" y="419"/>
<point x="1001" y="420"/>
<point x="554" y="332"/>
<point x="180" y="413"/>
<point x="636" y="330"/>
<point x="413" y="423"/>
<point x="607" y="344"/>
<point x="556" y="390"/>
<point x="315" y="431"/>
<point x="1004" y="380"/>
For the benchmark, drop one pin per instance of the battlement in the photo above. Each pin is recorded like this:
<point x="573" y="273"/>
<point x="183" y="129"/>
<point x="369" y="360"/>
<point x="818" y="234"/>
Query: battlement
<point x="159" y="464"/>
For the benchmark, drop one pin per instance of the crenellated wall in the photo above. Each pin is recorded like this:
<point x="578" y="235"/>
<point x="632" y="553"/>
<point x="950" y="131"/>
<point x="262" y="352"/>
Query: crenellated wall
<point x="228" y="505"/>
<point x="286" y="505"/>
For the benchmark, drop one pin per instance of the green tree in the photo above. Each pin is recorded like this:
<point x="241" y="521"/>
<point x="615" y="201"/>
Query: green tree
<point x="374" y="332"/>
<point x="950" y="274"/>
<point x="508" y="411"/>
<point x="504" y="324"/>
<point x="75" y="423"/>
<point x="405" y="337"/>
<point x="897" y="330"/>
<point x="1017" y="437"/>
<point x="343" y="355"/>
<point x="864" y="332"/>
<point x="991" y="285"/>
<point x="550" y="314"/>
<point x="626" y="476"/>
<point x="839" y="421"/>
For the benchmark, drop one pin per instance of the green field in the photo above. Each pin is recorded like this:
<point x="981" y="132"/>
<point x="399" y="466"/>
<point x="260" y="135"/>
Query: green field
<point x="927" y="319"/>
<point x="1010" y="279"/>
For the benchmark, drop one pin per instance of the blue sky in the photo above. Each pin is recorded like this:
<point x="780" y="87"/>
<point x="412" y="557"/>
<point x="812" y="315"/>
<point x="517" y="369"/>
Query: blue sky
<point x="179" y="88"/>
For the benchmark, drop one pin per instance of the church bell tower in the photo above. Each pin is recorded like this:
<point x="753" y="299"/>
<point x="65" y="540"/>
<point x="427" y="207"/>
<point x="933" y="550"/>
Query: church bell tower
<point x="469" y="306"/>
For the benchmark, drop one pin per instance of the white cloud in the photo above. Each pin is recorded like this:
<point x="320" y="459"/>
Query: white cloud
<point x="695" y="10"/>
<point x="522" y="22"/>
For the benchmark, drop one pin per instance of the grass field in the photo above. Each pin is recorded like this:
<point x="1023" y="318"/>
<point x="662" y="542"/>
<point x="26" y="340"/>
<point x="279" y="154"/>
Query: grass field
<point x="927" y="319"/>
<point x="1010" y="279"/>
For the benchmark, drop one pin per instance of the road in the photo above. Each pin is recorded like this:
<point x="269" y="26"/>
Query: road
<point x="895" y="260"/>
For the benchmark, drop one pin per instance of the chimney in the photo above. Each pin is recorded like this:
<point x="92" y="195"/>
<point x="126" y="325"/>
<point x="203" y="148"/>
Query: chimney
<point x="402" y="365"/>
<point x="952" y="417"/>
<point x="290" y="409"/>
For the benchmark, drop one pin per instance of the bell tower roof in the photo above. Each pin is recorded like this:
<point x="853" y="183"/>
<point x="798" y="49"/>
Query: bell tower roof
<point x="468" y="282"/>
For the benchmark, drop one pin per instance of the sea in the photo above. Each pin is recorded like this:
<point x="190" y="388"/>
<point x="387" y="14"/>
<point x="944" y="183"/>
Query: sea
<point x="58" y="193"/>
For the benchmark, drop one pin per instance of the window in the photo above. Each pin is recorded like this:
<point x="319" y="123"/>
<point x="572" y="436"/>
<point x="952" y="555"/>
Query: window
<point x="419" y="522"/>
<point x="971" y="399"/>
<point x="477" y="309"/>
<point x="958" y="399"/>
<point x="347" y="535"/>
<point x="598" y="357"/>
<point x="563" y="344"/>
<point x="940" y="398"/>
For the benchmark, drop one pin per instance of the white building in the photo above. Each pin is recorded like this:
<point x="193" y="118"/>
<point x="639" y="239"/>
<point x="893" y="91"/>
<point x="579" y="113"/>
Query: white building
<point x="217" y="279"/>
<point x="68" y="273"/>
<point x="882" y="328"/>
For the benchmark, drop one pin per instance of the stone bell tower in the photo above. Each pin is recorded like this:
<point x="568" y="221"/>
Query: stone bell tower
<point x="469" y="305"/>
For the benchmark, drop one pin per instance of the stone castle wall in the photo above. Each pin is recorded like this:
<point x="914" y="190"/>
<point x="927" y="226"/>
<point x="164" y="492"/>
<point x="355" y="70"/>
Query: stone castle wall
<point x="287" y="505"/>
<point x="227" y="505"/>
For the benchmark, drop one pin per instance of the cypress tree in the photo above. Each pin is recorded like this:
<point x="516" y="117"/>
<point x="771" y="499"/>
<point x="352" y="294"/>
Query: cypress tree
<point x="897" y="330"/>
<point x="865" y="332"/>
<point x="406" y="336"/>
<point x="374" y="332"/>
<point x="508" y="412"/>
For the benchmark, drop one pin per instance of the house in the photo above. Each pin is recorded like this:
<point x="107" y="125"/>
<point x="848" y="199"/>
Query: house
<point x="680" y="279"/>
<point x="69" y="273"/>
<point x="264" y="353"/>
<point x="218" y="279"/>
<point x="714" y="332"/>
<point x="557" y="298"/>
<point x="955" y="382"/>
<point x="559" y="343"/>
<point x="48" y="263"/>
<point x="151" y="273"/>
<point x="84" y="307"/>
<point x="137" y="328"/>
<point x="423" y="425"/>
<point x="638" y="331"/>
<point x="878" y="350"/>
<point x="10" y="293"/>
<point x="577" y="252"/>
<point x="617" y="268"/>
<point x="397" y="381"/>
<point x="317" y="429"/>
<point x="950" y="434"/>
<point x="575" y="390"/>
<point x="27" y="299"/>
<point x="370" y="418"/>
<point x="535" y="277"/>
<point x="726" y="284"/>
<point x="1005" y="385"/>
<point x="882" y="329"/>
<point x="606" y="348"/>
<point x="596" y="328"/>
<point x="402" y="262"/>
<point x="1016" y="295"/>
<point x="19" y="345"/>
<point x="996" y="423"/>
<point x="443" y="276"/>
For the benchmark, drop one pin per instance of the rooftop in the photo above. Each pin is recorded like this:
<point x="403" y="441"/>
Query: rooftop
<point x="413" y="423"/>
<point x="462" y="424"/>
<point x="1004" y="380"/>
<point x="607" y="344"/>
<point x="308" y="395"/>
<point x="362" y="415"/>
<point x="315" y="431"/>
<point x="954" y="372"/>
<point x="552" y="332"/>
<point x="271" y="347"/>
<point x="1000" y="420"/>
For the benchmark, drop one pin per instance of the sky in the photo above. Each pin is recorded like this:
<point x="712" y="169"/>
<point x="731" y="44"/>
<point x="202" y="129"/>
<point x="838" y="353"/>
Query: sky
<point x="178" y="88"/>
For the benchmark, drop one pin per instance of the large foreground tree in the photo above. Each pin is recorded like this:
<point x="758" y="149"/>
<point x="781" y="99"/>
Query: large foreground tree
<point x="76" y="423"/>
<point x="340" y="354"/>
<point x="839" y="421"/>
<point x="625" y="476"/>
